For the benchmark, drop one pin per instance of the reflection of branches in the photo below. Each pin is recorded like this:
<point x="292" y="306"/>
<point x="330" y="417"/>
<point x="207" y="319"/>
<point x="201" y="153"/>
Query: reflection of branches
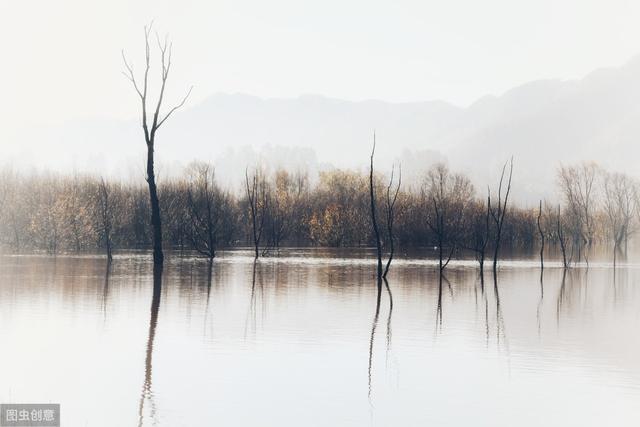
<point x="105" y="290"/>
<point x="541" y="299"/>
<point x="486" y="317"/>
<point x="572" y="289"/>
<point x="153" y="322"/>
<point x="486" y="305"/>
<point x="439" y="305"/>
<point x="373" y="333"/>
<point x="251" y="312"/>
<point x="209" y="280"/>
<point x="441" y="279"/>
<point x="615" y="287"/>
<point x="444" y="278"/>
<point x="386" y="283"/>
<point x="500" y="327"/>
<point x="561" y="296"/>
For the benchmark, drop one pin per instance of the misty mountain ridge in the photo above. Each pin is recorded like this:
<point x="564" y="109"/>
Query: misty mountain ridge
<point x="542" y="124"/>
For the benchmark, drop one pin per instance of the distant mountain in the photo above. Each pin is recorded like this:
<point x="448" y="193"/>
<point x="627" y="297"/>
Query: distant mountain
<point x="542" y="124"/>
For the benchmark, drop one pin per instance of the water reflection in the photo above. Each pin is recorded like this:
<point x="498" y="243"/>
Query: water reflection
<point x="251" y="311"/>
<point x="386" y="284"/>
<point x="105" y="289"/>
<point x="540" y="301"/>
<point x="561" y="295"/>
<point x="147" y="392"/>
<point x="374" y="325"/>
<point x="500" y="328"/>
<point x="557" y="345"/>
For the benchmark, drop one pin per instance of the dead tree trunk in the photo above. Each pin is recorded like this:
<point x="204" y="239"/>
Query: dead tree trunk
<point x="482" y="246"/>
<point x="150" y="130"/>
<point x="105" y="214"/>
<point x="258" y="200"/>
<point x="374" y="222"/>
<point x="541" y="236"/>
<point x="560" y="232"/>
<point x="156" y="220"/>
<point x="391" y="203"/>
<point x="499" y="213"/>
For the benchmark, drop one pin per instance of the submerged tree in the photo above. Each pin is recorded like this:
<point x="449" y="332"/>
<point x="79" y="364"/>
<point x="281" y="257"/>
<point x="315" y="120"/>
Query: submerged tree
<point x="205" y="202"/>
<point x="151" y="126"/>
<point x="539" y="225"/>
<point x="258" y="197"/>
<point x="578" y="185"/>
<point x="286" y="209"/>
<point x="562" y="239"/>
<point x="106" y="214"/>
<point x="481" y="231"/>
<point x="391" y="204"/>
<point x="446" y="198"/>
<point x="498" y="213"/>
<point x="620" y="203"/>
<point x="374" y="221"/>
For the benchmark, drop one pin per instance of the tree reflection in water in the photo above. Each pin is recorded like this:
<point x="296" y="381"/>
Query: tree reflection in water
<point x="147" y="392"/>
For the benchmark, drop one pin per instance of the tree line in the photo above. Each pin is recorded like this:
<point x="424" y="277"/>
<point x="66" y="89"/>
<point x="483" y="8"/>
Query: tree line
<point x="445" y="213"/>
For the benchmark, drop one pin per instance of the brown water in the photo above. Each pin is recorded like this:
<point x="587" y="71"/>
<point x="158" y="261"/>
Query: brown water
<point x="306" y="339"/>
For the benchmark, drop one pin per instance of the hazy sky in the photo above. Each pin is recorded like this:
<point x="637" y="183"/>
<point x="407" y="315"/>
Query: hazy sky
<point x="61" y="59"/>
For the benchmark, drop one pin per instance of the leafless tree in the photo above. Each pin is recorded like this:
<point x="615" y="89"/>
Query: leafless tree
<point x="539" y="224"/>
<point x="105" y="216"/>
<point x="446" y="197"/>
<point x="204" y="202"/>
<point x="562" y="239"/>
<point x="578" y="184"/>
<point x="258" y="198"/>
<point x="481" y="232"/>
<point x="374" y="222"/>
<point x="150" y="129"/>
<point x="289" y="190"/>
<point x="620" y="203"/>
<point x="498" y="213"/>
<point x="391" y="203"/>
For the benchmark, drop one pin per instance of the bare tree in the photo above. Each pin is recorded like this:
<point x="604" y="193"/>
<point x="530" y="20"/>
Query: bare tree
<point x="499" y="212"/>
<point x="374" y="222"/>
<point x="258" y="198"/>
<point x="150" y="130"/>
<point x="562" y="239"/>
<point x="448" y="196"/>
<point x="620" y="203"/>
<point x="481" y="231"/>
<point x="391" y="203"/>
<point x="538" y="223"/>
<point x="578" y="186"/>
<point x="105" y="217"/>
<point x="286" y="202"/>
<point x="204" y="202"/>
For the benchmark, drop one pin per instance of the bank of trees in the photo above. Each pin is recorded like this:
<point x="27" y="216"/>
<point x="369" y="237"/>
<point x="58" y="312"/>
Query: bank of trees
<point x="443" y="214"/>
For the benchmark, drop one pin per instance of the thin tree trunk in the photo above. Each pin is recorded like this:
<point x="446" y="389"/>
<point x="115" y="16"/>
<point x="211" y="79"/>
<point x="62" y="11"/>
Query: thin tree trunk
<point x="156" y="222"/>
<point x="374" y="221"/>
<point x="561" y="239"/>
<point x="541" y="237"/>
<point x="391" y="202"/>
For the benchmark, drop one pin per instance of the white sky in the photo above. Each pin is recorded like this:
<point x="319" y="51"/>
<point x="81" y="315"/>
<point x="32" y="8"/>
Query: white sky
<point x="61" y="59"/>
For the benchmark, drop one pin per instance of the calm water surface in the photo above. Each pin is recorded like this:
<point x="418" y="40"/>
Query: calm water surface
<point x="308" y="339"/>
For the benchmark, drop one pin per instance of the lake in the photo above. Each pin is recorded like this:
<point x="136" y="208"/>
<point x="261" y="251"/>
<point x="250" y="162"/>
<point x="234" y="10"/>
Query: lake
<point x="308" y="338"/>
